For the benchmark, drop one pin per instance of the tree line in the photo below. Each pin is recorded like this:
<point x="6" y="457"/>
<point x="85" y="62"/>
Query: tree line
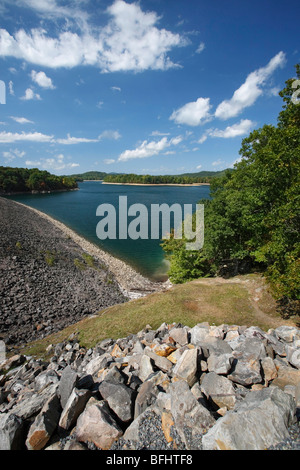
<point x="159" y="179"/>
<point x="26" y="180"/>
<point x="252" y="220"/>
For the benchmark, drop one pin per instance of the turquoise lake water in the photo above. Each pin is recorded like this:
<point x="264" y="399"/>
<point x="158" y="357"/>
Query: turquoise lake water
<point x="77" y="210"/>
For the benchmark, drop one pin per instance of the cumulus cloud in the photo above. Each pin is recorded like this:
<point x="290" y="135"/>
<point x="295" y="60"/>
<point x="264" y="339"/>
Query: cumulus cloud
<point x="111" y="135"/>
<point x="149" y="149"/>
<point x="194" y="113"/>
<point x="250" y="90"/>
<point x="109" y="161"/>
<point x="9" y="137"/>
<point x="130" y="40"/>
<point x="42" y="80"/>
<point x="56" y="163"/>
<point x="30" y="95"/>
<point x="241" y="128"/>
<point x="12" y="154"/>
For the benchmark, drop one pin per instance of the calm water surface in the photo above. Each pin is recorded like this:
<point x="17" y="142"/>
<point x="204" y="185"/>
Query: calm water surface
<point x="77" y="210"/>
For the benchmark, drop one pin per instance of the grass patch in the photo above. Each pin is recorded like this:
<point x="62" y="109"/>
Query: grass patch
<point x="189" y="304"/>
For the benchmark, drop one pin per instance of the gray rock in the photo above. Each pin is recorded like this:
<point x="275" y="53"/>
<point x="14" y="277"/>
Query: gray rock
<point x="11" y="432"/>
<point x="256" y="423"/>
<point x="187" y="366"/>
<point x="161" y="362"/>
<point x="219" y="390"/>
<point x="44" y="424"/>
<point x="74" y="407"/>
<point x="191" y="418"/>
<point x="287" y="333"/>
<point x="119" y="398"/>
<point x="96" y="425"/>
<point x="68" y="381"/>
<point x="179" y="335"/>
<point x="145" y="369"/>
<point x="220" y="364"/>
<point x="247" y="368"/>
<point x="198" y="334"/>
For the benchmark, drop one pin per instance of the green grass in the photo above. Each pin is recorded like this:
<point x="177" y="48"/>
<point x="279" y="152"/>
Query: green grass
<point x="189" y="304"/>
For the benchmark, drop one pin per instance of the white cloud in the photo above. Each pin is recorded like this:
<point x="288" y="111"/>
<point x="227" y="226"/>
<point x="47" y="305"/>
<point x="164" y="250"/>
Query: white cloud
<point x="201" y="48"/>
<point x="30" y="95"/>
<point x="250" y="90"/>
<point x="241" y="128"/>
<point x="194" y="113"/>
<point x="12" y="154"/>
<point x="56" y="163"/>
<point x="75" y="140"/>
<point x="129" y="41"/>
<point x="149" y="149"/>
<point x="115" y="88"/>
<point x="11" y="87"/>
<point x="9" y="137"/>
<point x="42" y="80"/>
<point x="198" y="167"/>
<point x="112" y="135"/>
<point x="218" y="162"/>
<point x="21" y="120"/>
<point x="109" y="161"/>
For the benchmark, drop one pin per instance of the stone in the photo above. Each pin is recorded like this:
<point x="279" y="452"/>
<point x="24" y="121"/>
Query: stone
<point x="32" y="403"/>
<point x="97" y="425"/>
<point x="198" y="334"/>
<point x="146" y="396"/>
<point x="269" y="369"/>
<point x="219" y="390"/>
<point x="167" y="423"/>
<point x="286" y="376"/>
<point x="220" y="364"/>
<point x="12" y="431"/>
<point x="98" y="363"/>
<point x="256" y="423"/>
<point x="45" y="378"/>
<point x="187" y="366"/>
<point x="293" y="356"/>
<point x="119" y="398"/>
<point x="163" y="349"/>
<point x="247" y="367"/>
<point x="44" y="424"/>
<point x="287" y="333"/>
<point x="68" y="381"/>
<point x="179" y="335"/>
<point x="146" y="368"/>
<point x="191" y="418"/>
<point x="160" y="362"/>
<point x="73" y="408"/>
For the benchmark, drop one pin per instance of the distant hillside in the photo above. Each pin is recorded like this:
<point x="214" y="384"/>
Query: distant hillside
<point x="101" y="175"/>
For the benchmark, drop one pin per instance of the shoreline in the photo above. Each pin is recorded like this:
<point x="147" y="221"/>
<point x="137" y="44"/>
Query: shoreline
<point x="158" y="184"/>
<point x="131" y="283"/>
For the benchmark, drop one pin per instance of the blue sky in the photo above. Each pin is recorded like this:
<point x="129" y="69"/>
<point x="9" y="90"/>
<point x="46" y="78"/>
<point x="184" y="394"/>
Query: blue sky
<point x="149" y="86"/>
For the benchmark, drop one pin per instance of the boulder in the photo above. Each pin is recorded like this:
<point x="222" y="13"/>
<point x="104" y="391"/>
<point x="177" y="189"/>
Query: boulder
<point x="191" y="418"/>
<point x="187" y="366"/>
<point x="247" y="365"/>
<point x="256" y="423"/>
<point x="12" y="432"/>
<point x="44" y="424"/>
<point x="68" y="381"/>
<point x="96" y="425"/>
<point x="219" y="390"/>
<point x="73" y="408"/>
<point x="119" y="398"/>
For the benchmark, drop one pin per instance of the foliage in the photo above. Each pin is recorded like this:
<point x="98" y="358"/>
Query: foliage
<point x="25" y="180"/>
<point x="253" y="217"/>
<point x="191" y="178"/>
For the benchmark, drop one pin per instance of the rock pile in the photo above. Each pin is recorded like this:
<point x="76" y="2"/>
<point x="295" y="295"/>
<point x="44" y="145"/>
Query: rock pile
<point x="177" y="388"/>
<point x="47" y="281"/>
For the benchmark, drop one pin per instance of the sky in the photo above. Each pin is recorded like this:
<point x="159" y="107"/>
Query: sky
<point x="147" y="87"/>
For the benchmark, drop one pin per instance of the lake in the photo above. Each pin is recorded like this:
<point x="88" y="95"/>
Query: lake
<point x="77" y="210"/>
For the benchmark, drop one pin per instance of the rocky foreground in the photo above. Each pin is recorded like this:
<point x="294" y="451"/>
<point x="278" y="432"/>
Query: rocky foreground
<point x="174" y="388"/>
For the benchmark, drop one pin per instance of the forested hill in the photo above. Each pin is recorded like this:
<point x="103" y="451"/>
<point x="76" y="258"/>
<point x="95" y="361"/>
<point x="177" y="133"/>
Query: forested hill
<point x="185" y="178"/>
<point x="14" y="180"/>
